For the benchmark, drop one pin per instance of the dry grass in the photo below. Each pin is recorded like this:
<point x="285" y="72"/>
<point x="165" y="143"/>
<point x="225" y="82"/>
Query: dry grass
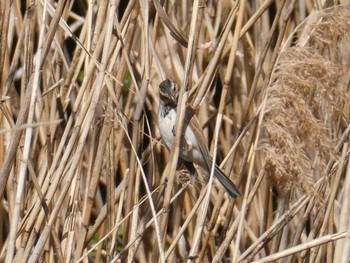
<point x="84" y="176"/>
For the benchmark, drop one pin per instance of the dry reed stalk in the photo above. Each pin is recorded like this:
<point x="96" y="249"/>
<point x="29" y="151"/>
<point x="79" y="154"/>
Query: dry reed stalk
<point x="84" y="175"/>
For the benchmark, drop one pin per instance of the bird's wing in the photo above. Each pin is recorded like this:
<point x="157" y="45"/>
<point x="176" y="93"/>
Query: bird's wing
<point x="191" y="119"/>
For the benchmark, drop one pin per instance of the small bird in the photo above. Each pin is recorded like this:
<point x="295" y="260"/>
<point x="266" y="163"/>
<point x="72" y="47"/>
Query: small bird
<point x="193" y="147"/>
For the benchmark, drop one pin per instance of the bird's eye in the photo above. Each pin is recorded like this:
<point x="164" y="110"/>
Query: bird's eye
<point x="173" y="87"/>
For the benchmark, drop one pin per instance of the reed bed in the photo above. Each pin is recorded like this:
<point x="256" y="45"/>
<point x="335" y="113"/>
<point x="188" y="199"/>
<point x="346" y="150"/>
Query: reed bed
<point x="84" y="175"/>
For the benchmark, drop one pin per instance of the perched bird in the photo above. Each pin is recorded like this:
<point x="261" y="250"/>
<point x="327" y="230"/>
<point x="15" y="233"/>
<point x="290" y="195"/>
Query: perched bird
<point x="193" y="146"/>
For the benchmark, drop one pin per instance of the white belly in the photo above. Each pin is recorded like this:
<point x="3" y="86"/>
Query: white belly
<point x="189" y="149"/>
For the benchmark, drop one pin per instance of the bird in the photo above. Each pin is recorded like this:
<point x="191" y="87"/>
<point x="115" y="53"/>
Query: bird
<point x="193" y="146"/>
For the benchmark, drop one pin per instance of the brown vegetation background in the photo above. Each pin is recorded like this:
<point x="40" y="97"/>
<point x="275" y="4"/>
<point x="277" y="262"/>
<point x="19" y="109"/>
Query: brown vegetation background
<point x="84" y="176"/>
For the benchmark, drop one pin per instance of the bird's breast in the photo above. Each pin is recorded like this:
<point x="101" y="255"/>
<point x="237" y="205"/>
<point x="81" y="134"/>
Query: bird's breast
<point x="166" y="125"/>
<point x="189" y="148"/>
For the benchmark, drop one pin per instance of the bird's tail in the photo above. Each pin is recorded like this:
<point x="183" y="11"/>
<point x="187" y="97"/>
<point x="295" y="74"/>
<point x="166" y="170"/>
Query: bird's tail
<point x="230" y="187"/>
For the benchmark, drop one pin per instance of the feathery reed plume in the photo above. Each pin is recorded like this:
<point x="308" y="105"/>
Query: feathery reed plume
<point x="305" y="101"/>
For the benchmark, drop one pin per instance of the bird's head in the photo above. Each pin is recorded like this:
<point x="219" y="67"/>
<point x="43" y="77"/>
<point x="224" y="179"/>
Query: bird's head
<point x="168" y="91"/>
